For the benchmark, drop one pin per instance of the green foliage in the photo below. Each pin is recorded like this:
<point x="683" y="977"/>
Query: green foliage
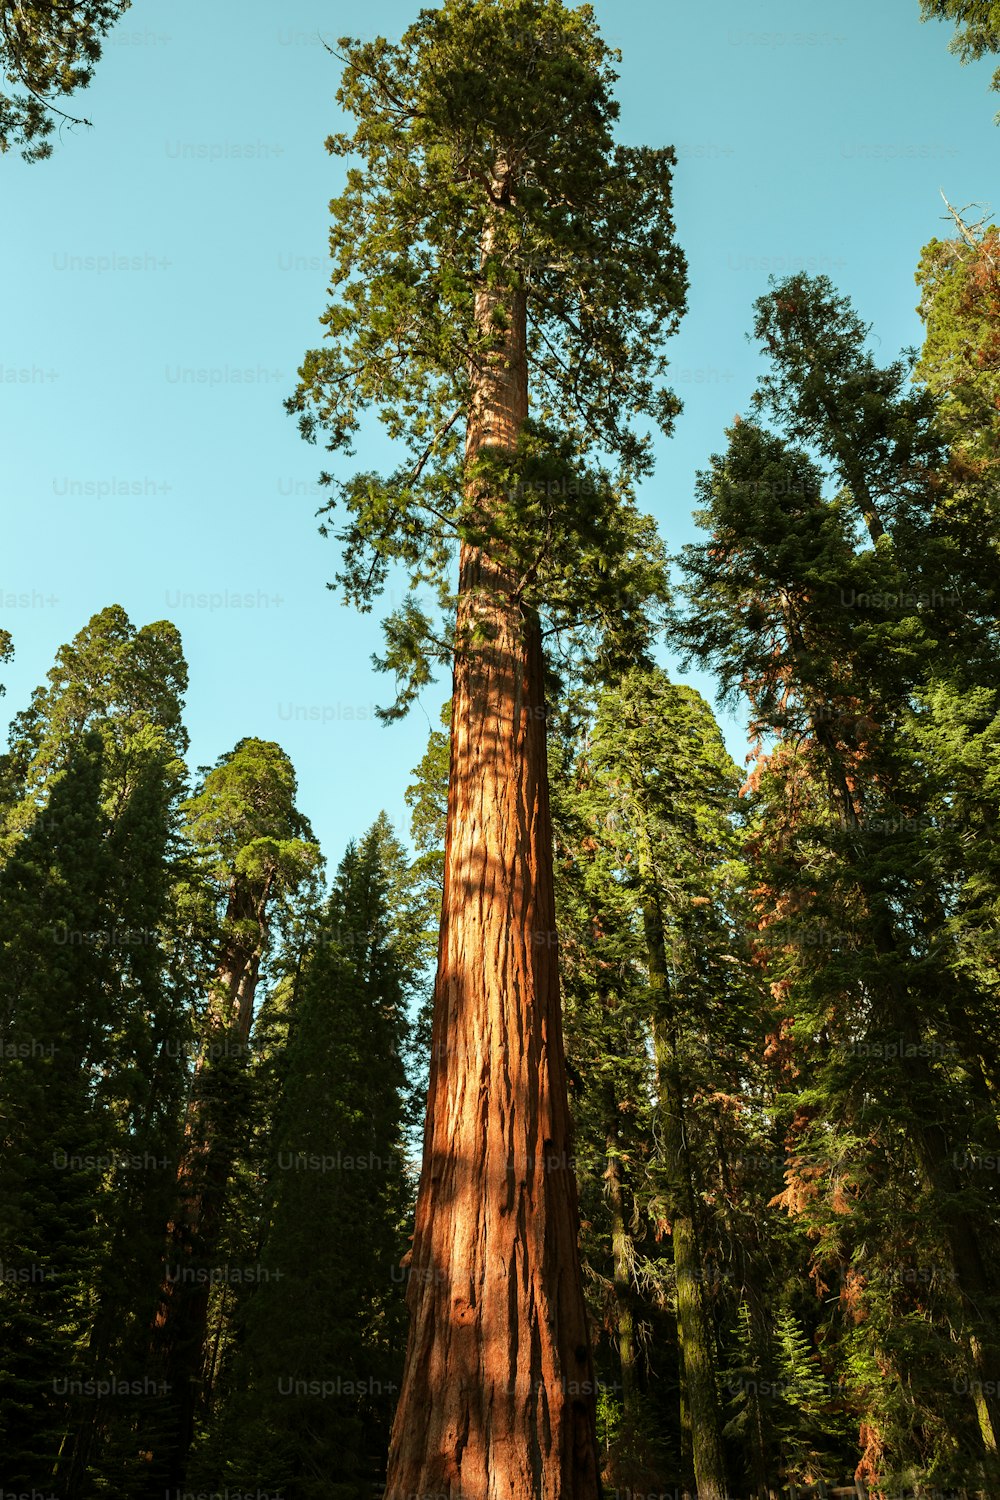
<point x="644" y="804"/>
<point x="317" y="1362"/>
<point x="256" y="849"/>
<point x="122" y="682"/>
<point x="55" y="1012"/>
<point x="95" y="991"/>
<point x="134" y="924"/>
<point x="960" y="366"/>
<point x="853" y="660"/>
<point x="244" y="811"/>
<point x="977" y="27"/>
<point x="47" y="52"/>
<point x="483" y="165"/>
<point x="825" y="389"/>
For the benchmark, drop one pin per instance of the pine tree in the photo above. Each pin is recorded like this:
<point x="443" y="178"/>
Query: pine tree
<point x="110" y="674"/>
<point x="606" y="1015"/>
<point x="320" y="1348"/>
<point x="668" y="785"/>
<point x="54" y="1161"/>
<point x="101" y="960"/>
<point x="836" y="645"/>
<point x="959" y="365"/>
<point x="141" y="1092"/>
<point x="257" y="848"/>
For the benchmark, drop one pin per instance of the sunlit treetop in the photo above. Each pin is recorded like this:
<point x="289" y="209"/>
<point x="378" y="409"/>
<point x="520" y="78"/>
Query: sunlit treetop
<point x="825" y="389"/>
<point x="494" y="114"/>
<point x="244" y="817"/>
<point x="110" y="677"/>
<point x="959" y="282"/>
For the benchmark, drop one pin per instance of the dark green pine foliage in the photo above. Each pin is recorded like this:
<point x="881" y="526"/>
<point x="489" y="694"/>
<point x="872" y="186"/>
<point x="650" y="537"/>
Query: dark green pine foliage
<point x="157" y="971"/>
<point x="427" y="799"/>
<point x="255" y="852"/>
<point x="665" y="788"/>
<point x="47" y="52"/>
<point x="925" y="592"/>
<point x="109" y="674"/>
<point x="98" y="967"/>
<point x="880" y="1030"/>
<point x="626" y="1269"/>
<point x="977" y="27"/>
<point x="665" y="1028"/>
<point x="53" y="1177"/>
<point x="316" y="1372"/>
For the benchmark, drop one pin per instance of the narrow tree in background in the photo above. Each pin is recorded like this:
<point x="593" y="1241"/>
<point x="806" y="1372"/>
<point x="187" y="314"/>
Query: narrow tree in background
<point x="52" y="1133"/>
<point x="257" y="846"/>
<point x="328" y="1314"/>
<point x="669" y="785"/>
<point x="839" y="646"/>
<point x="492" y="248"/>
<point x="605" y="1003"/>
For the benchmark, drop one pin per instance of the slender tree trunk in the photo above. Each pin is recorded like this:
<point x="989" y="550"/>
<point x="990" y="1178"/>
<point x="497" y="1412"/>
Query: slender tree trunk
<point x="497" y="1397"/>
<point x="622" y="1271"/>
<point x="745" y="1243"/>
<point x="207" y="1155"/>
<point x="693" y="1329"/>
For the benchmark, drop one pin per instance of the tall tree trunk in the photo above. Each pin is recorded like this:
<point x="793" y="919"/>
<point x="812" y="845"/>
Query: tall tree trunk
<point x="497" y="1397"/>
<point x="694" y="1333"/>
<point x="207" y="1155"/>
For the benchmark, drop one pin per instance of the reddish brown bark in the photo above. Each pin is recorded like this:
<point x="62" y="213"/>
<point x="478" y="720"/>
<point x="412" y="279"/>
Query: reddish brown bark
<point x="498" y="1392"/>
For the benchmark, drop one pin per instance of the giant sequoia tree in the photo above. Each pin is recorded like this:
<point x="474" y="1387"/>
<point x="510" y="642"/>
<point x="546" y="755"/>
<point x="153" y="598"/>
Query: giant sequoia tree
<point x="504" y="276"/>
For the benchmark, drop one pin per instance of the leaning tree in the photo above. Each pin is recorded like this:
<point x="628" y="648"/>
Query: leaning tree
<point x="504" y="277"/>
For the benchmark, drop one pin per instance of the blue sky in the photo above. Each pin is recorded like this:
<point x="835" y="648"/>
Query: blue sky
<point x="163" y="274"/>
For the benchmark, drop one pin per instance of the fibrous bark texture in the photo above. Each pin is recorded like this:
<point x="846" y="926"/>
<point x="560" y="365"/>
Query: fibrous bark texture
<point x="498" y="1393"/>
